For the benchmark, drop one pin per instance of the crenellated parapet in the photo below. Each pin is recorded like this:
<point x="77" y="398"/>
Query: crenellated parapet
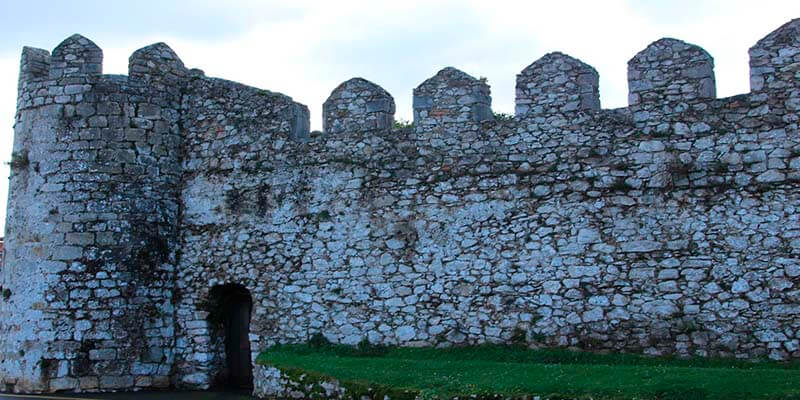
<point x="665" y="227"/>
<point x="775" y="63"/>
<point x="557" y="83"/>
<point x="60" y="78"/>
<point x="358" y="105"/>
<point x="670" y="70"/>
<point x="34" y="63"/>
<point x="158" y="66"/>
<point x="76" y="56"/>
<point x="449" y="98"/>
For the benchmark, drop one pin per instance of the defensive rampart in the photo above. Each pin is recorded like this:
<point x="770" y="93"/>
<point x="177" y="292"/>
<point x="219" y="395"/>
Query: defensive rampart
<point x="667" y="227"/>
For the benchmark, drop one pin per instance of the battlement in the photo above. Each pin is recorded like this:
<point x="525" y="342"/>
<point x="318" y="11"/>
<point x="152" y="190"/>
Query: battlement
<point x="158" y="66"/>
<point x="774" y="60"/>
<point x="665" y="227"/>
<point x="358" y="105"/>
<point x="667" y="72"/>
<point x="670" y="70"/>
<point x="557" y="83"/>
<point x="451" y="98"/>
<point x="76" y="56"/>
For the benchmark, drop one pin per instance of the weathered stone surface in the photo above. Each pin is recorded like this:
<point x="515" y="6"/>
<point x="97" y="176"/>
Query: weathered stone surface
<point x="774" y="63"/>
<point x="670" y="70"/>
<point x="557" y="83"/>
<point x="450" y="101"/>
<point x="358" y="105"/>
<point x="133" y="197"/>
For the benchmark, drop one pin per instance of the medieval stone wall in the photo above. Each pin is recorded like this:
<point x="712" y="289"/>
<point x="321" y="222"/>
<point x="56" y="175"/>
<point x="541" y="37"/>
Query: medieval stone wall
<point x="667" y="227"/>
<point x="233" y="134"/>
<point x="92" y="226"/>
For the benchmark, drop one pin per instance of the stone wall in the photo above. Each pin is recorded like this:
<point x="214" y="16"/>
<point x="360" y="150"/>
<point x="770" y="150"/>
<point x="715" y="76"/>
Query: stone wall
<point x="450" y="101"/>
<point x="358" y="105"/>
<point x="272" y="383"/>
<point x="557" y="83"/>
<point x="234" y="134"/>
<point x="92" y="224"/>
<point x="667" y="227"/>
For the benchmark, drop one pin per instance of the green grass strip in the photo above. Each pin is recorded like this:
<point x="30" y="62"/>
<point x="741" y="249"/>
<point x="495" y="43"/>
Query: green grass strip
<point x="513" y="371"/>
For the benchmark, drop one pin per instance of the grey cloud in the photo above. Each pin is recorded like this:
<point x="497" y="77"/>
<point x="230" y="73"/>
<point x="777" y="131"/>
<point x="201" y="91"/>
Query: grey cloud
<point x="31" y="23"/>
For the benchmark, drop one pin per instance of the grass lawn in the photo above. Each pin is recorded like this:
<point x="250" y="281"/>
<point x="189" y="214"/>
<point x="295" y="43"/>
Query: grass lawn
<point x="516" y="371"/>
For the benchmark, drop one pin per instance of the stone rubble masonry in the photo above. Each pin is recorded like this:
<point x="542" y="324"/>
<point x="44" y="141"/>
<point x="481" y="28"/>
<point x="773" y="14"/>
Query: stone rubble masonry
<point x="667" y="227"/>
<point x="773" y="60"/>
<point x="557" y="83"/>
<point x="272" y="383"/>
<point x="670" y="70"/>
<point x="358" y="105"/>
<point x="449" y="101"/>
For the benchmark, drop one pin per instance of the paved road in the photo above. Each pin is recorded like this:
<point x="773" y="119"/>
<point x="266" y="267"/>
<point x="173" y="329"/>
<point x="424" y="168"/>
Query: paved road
<point x="133" y="396"/>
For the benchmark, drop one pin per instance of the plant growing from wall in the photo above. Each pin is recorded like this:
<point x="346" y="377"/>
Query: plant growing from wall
<point x="318" y="340"/>
<point x="19" y="160"/>
<point x="401" y="123"/>
<point x="620" y="185"/>
<point x="519" y="337"/>
<point x="503" y="117"/>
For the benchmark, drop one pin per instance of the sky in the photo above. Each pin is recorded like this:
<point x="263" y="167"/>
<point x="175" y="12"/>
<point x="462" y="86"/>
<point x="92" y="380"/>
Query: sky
<point x="304" y="49"/>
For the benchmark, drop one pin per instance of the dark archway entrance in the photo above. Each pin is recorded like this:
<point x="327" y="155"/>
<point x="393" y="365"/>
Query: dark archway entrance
<point x="233" y="304"/>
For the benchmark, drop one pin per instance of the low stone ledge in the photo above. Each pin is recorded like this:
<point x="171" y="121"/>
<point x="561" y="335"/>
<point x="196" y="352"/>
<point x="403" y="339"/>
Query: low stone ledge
<point x="272" y="383"/>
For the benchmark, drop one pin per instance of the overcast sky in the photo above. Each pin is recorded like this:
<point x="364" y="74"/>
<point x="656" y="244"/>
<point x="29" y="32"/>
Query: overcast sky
<point x="306" y="48"/>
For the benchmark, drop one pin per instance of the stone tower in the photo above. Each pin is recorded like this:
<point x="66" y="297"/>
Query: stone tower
<point x="140" y="205"/>
<point x="94" y="205"/>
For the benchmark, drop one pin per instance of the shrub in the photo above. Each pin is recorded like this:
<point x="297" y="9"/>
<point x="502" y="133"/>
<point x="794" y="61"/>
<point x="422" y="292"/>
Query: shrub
<point x="402" y="124"/>
<point x="503" y="117"/>
<point x="19" y="160"/>
<point x="318" y="340"/>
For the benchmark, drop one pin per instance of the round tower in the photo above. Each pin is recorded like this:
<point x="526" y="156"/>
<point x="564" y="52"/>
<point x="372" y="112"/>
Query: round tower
<point x="92" y="210"/>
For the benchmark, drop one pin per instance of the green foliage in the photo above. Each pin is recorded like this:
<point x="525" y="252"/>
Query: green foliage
<point x="538" y="337"/>
<point x="322" y="216"/>
<point x="6" y="293"/>
<point x="503" y="117"/>
<point x="318" y="340"/>
<point x="312" y="384"/>
<point x="519" y="337"/>
<point x="367" y="349"/>
<point x="513" y="371"/>
<point x="19" y="160"/>
<point x="402" y="124"/>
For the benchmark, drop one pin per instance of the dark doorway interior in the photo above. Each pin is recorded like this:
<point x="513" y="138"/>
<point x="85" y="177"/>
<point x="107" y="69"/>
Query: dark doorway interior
<point x="234" y="305"/>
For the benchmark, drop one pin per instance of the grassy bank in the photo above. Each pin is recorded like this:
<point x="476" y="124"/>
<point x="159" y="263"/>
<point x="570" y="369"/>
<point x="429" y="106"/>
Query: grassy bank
<point x="515" y="371"/>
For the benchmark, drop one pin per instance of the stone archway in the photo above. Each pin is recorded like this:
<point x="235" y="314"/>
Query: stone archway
<point x="233" y="305"/>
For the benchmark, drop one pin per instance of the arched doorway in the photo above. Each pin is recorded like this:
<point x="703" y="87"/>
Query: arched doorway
<point x="233" y="305"/>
